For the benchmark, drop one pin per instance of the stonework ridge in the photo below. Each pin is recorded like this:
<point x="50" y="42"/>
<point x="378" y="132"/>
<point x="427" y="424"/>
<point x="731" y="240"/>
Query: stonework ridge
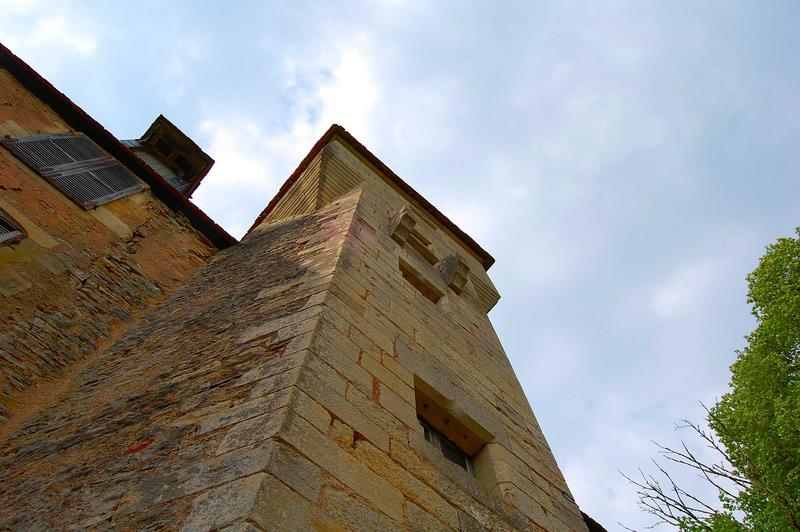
<point x="334" y="370"/>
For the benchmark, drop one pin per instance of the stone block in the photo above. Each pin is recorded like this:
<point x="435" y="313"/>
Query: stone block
<point x="224" y="504"/>
<point x="172" y="481"/>
<point x="316" y="384"/>
<point x="311" y="411"/>
<point x="339" y="463"/>
<point x="297" y="472"/>
<point x="414" y="489"/>
<point x="12" y="282"/>
<point x="341" y="433"/>
<point x="398" y="406"/>
<point x="277" y="508"/>
<point x="372" y="363"/>
<point x="253" y="431"/>
<point x="421" y="521"/>
<point x="354" y="515"/>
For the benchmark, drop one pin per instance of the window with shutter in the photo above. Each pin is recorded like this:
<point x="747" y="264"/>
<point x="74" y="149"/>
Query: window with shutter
<point x="10" y="230"/>
<point x="78" y="167"/>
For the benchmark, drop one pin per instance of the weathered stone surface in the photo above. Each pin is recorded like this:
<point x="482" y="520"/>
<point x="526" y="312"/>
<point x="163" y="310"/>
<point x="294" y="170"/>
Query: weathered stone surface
<point x="354" y="515"/>
<point x="277" y="386"/>
<point x="412" y="487"/>
<point x="279" y="508"/>
<point x="181" y="405"/>
<point x="81" y="278"/>
<point x="297" y="472"/>
<point x="224" y="504"/>
<point x="420" y="520"/>
<point x="344" y="466"/>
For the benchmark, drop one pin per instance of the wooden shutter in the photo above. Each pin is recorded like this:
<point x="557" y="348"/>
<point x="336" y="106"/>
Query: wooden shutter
<point x="78" y="167"/>
<point x="10" y="230"/>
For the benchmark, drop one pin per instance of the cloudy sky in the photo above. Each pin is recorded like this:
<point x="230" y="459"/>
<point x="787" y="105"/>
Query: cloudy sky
<point x="625" y="162"/>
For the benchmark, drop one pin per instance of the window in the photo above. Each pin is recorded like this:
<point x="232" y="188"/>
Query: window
<point x="163" y="147"/>
<point x="456" y="436"/>
<point x="78" y="167"/>
<point x="10" y="230"/>
<point x="447" y="448"/>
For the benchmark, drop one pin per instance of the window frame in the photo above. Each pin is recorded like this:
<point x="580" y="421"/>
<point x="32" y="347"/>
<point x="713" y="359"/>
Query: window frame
<point x="14" y="236"/>
<point x="439" y="440"/>
<point x="85" y="173"/>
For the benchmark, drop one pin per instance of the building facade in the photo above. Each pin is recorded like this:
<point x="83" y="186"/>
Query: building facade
<point x="334" y="370"/>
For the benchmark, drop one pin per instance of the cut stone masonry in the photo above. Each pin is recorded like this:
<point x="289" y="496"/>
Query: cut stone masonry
<point x="149" y="381"/>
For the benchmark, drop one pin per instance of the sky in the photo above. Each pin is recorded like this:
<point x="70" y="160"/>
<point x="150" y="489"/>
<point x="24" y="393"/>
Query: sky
<point x="626" y="163"/>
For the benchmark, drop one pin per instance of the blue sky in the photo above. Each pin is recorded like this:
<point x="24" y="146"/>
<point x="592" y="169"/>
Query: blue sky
<point x="625" y="163"/>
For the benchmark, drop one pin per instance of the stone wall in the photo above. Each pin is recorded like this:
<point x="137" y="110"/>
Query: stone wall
<point x="80" y="278"/>
<point x="173" y="425"/>
<point x="380" y="341"/>
<point x="279" y="389"/>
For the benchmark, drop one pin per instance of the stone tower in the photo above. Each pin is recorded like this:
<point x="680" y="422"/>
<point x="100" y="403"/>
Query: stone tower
<point x="335" y="370"/>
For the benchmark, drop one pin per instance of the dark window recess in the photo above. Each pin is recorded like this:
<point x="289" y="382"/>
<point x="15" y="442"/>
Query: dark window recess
<point x="448" y="449"/>
<point x="164" y="147"/>
<point x="78" y="167"/>
<point x="10" y="230"/>
<point x="184" y="166"/>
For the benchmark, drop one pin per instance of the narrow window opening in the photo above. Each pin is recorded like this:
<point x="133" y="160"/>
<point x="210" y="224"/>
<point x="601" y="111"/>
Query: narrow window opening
<point x="10" y="231"/>
<point x="163" y="147"/>
<point x="458" y="438"/>
<point x="448" y="449"/>
<point x="184" y="166"/>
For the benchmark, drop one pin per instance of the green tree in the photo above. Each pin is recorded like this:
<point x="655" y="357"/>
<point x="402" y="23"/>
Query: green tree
<point x="756" y="426"/>
<point x="758" y="421"/>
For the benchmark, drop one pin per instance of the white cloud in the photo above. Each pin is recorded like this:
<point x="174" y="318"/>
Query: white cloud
<point x="44" y="33"/>
<point x="682" y="289"/>
<point x="239" y="153"/>
<point x="421" y="119"/>
<point x="18" y="7"/>
<point x="58" y="31"/>
<point x="351" y="94"/>
<point x="184" y="54"/>
<point x="249" y="155"/>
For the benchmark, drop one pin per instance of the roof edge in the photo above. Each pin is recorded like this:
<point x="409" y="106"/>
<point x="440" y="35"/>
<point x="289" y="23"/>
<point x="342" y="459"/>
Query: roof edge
<point x="79" y="120"/>
<point x="196" y="183"/>
<point x="336" y="130"/>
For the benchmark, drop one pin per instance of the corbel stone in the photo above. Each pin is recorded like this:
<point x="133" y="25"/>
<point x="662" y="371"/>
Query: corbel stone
<point x="454" y="272"/>
<point x="403" y="226"/>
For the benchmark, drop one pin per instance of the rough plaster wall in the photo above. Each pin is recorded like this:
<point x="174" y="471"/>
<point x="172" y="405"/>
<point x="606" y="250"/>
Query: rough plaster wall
<point x="172" y="425"/>
<point x="81" y="278"/>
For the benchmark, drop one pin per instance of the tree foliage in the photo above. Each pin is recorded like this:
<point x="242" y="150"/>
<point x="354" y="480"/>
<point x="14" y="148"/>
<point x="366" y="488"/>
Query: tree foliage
<point x="758" y="421"/>
<point x="756" y="425"/>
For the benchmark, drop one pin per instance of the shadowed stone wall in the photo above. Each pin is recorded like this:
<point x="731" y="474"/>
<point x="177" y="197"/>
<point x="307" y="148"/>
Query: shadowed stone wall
<point x="280" y="389"/>
<point x="171" y="426"/>
<point x="80" y="278"/>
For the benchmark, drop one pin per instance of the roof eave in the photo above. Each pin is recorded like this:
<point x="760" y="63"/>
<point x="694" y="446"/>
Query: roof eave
<point x="338" y="131"/>
<point x="79" y="120"/>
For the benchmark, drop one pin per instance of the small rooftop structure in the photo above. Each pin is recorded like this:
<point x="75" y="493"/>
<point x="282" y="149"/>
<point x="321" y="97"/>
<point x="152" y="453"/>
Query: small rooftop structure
<point x="172" y="154"/>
